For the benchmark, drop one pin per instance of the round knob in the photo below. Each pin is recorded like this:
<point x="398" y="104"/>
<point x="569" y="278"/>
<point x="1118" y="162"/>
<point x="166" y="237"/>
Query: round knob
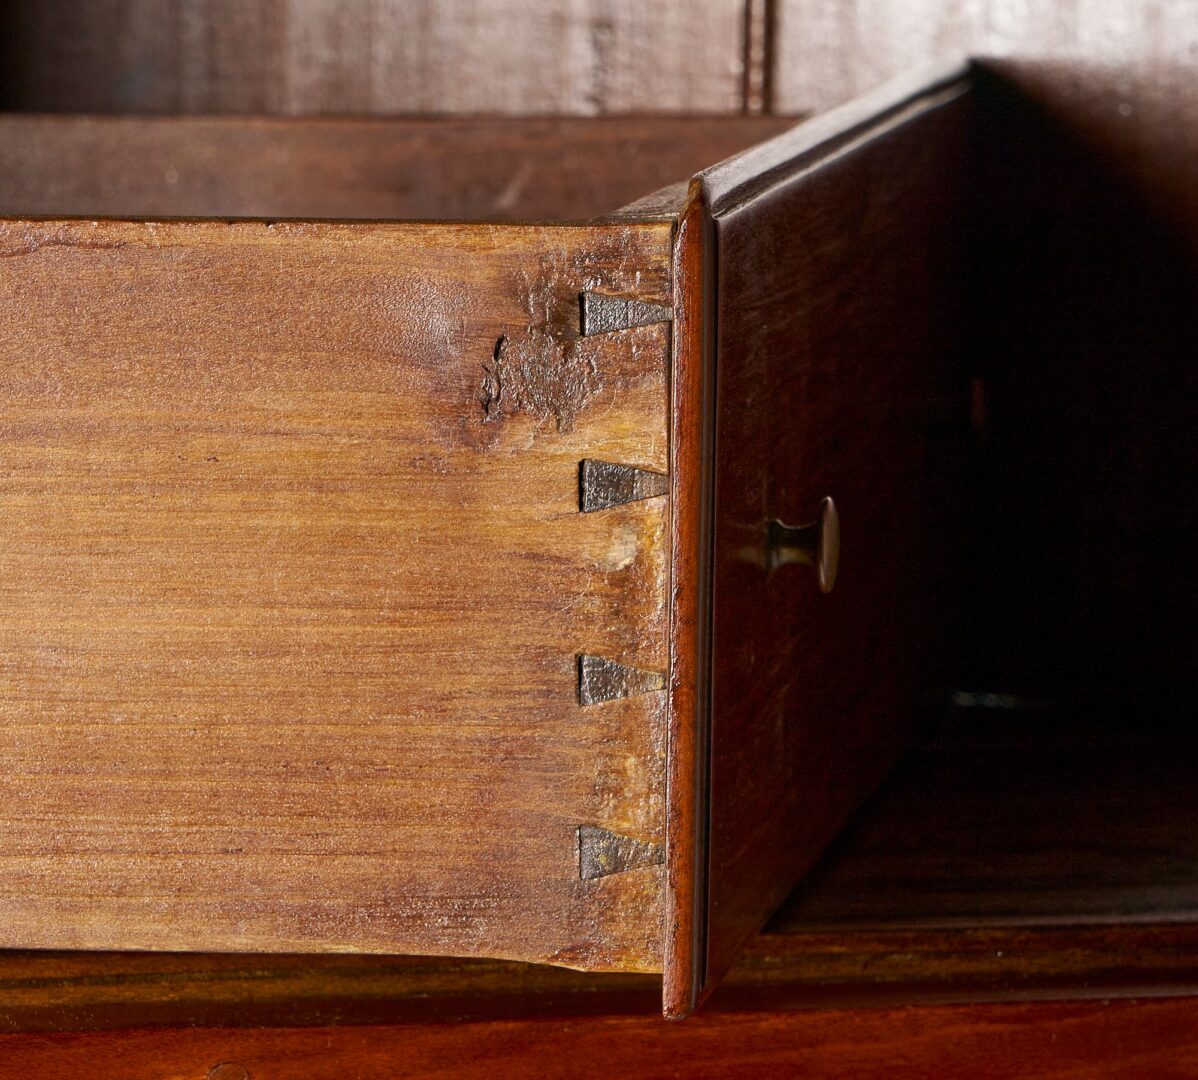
<point x="816" y="545"/>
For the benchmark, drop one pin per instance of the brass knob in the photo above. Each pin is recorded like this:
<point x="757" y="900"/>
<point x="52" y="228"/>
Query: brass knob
<point x="816" y="545"/>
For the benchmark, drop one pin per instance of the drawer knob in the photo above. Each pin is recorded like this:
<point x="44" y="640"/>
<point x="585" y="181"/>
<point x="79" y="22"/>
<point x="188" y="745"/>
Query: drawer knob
<point x="816" y="545"/>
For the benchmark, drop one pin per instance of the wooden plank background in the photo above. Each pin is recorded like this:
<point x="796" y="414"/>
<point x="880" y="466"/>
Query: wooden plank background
<point x="374" y="56"/>
<point x="577" y="57"/>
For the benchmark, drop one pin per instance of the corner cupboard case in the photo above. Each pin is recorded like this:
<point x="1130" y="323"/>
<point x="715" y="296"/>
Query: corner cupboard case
<point x="425" y="586"/>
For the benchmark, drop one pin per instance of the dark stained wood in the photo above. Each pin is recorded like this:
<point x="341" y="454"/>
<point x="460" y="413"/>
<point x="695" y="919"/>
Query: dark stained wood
<point x="1073" y="1041"/>
<point x="838" y="330"/>
<point x="691" y="508"/>
<point x="501" y="169"/>
<point x="294" y="582"/>
<point x="385" y="57"/>
<point x="796" y="967"/>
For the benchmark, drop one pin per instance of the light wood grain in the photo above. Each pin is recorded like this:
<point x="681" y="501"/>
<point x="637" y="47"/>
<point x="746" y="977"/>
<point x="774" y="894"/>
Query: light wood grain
<point x="292" y="580"/>
<point x="374" y="56"/>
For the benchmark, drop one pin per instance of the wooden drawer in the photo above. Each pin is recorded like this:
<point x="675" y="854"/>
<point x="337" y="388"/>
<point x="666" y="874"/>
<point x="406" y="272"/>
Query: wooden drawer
<point x="407" y="586"/>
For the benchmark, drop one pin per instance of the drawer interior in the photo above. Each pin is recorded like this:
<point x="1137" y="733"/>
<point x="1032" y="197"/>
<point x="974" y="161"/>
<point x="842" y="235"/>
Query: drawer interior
<point x="1056" y="784"/>
<point x="492" y="169"/>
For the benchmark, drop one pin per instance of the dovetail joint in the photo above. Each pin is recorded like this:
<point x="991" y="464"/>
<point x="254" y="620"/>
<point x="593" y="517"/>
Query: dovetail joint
<point x="600" y="313"/>
<point x="601" y="679"/>
<point x="601" y="852"/>
<point x="603" y="484"/>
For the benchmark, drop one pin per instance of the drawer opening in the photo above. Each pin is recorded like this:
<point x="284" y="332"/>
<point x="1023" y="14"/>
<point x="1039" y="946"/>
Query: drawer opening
<point x="1057" y="783"/>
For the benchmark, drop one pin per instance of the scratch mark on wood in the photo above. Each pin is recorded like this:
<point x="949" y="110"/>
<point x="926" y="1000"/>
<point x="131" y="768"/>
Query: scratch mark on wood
<point x="603" y="484"/>
<point x="601" y="853"/>
<point x="601" y="313"/>
<point x="16" y="241"/>
<point x="601" y="679"/>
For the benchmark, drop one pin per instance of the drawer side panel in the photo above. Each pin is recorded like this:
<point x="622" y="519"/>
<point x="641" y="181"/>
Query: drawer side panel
<point x="293" y="582"/>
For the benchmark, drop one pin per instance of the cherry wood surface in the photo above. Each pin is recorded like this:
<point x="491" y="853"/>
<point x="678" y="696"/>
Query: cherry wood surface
<point x="1074" y="1040"/>
<point x="692" y="399"/>
<point x="784" y="969"/>
<point x="499" y="169"/>
<point x="293" y="582"/>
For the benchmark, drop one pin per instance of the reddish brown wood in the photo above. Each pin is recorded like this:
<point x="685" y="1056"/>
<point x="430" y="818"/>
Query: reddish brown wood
<point x="501" y="169"/>
<point x="1072" y="1041"/>
<point x="835" y="309"/>
<point x="692" y="388"/>
<point x="783" y="969"/>
<point x="839" y="255"/>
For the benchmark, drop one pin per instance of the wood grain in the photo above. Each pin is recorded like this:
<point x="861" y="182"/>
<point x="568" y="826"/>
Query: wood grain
<point x="785" y="969"/>
<point x="501" y="169"/>
<point x="293" y="580"/>
<point x="377" y="57"/>
<point x="1072" y="1041"/>
<point x="838" y="328"/>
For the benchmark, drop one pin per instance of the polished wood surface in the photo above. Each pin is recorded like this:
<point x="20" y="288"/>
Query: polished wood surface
<point x="838" y="302"/>
<point x="382" y="57"/>
<point x="1072" y="1041"/>
<point x="786" y="968"/>
<point x="294" y="581"/>
<point x="500" y="169"/>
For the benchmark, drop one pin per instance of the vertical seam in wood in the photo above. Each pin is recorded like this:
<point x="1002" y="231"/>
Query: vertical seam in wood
<point x="758" y="61"/>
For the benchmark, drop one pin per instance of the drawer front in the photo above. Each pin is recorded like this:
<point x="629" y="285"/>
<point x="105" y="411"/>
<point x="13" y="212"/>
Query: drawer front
<point x="294" y="582"/>
<point x="826" y="366"/>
